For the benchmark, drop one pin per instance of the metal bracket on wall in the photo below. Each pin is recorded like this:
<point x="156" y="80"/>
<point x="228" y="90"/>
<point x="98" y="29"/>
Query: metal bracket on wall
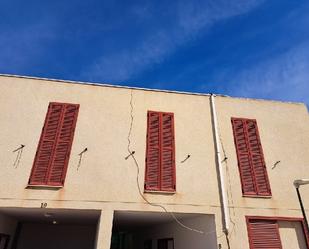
<point x="18" y="156"/>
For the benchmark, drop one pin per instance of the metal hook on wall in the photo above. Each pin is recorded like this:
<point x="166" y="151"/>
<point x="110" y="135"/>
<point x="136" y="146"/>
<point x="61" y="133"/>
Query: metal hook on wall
<point x="18" y="156"/>
<point x="132" y="153"/>
<point x="188" y="156"/>
<point x="275" y="164"/>
<point x="80" y="157"/>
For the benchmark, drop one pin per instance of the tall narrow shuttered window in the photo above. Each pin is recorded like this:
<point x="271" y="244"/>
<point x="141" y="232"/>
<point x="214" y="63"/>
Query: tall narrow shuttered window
<point x="160" y="152"/>
<point x="264" y="234"/>
<point x="251" y="162"/>
<point x="53" y="152"/>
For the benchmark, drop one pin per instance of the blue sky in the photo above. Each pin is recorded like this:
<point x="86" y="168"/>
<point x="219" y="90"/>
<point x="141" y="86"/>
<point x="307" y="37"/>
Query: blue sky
<point x="246" y="48"/>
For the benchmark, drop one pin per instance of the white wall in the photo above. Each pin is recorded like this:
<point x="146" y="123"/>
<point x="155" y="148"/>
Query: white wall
<point x="8" y="226"/>
<point x="183" y="238"/>
<point x="36" y="236"/>
<point x="292" y="235"/>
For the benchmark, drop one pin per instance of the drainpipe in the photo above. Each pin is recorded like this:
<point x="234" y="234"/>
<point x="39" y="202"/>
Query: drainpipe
<point x="226" y="215"/>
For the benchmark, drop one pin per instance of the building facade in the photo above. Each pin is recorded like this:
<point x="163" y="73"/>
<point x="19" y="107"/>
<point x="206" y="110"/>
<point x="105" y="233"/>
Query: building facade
<point x="99" y="166"/>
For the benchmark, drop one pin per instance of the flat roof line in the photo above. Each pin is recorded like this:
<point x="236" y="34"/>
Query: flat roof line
<point x="108" y="85"/>
<point x="142" y="89"/>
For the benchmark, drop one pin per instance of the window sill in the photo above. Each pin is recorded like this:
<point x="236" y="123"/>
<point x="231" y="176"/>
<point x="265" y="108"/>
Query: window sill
<point x="159" y="192"/>
<point x="47" y="187"/>
<point x="258" y="196"/>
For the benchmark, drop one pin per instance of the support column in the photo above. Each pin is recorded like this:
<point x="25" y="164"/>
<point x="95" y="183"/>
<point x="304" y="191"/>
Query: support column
<point x="104" y="230"/>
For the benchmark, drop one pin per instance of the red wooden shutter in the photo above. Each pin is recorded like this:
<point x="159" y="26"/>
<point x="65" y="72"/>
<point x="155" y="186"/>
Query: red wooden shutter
<point x="160" y="155"/>
<point x="257" y="158"/>
<point x="46" y="145"/>
<point x="50" y="164"/>
<point x="244" y="165"/>
<point x="152" y="175"/>
<point x="251" y="163"/>
<point x="264" y="234"/>
<point x="62" y="150"/>
<point x="167" y="152"/>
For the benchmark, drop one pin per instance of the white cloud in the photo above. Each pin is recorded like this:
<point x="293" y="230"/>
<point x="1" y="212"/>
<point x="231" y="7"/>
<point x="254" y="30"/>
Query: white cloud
<point x="23" y="45"/>
<point x="192" y="19"/>
<point x="285" y="77"/>
<point x="197" y="15"/>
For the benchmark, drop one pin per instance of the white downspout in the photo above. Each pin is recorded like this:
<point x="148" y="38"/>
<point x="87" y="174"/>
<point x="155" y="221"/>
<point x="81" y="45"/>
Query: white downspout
<point x="226" y="215"/>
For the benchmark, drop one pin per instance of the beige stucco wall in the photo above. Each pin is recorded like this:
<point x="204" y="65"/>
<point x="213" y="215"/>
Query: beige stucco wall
<point x="102" y="126"/>
<point x="291" y="234"/>
<point x="106" y="181"/>
<point x="284" y="133"/>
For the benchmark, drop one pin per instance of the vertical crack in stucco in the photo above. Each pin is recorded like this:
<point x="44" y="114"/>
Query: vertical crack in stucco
<point x="131" y="153"/>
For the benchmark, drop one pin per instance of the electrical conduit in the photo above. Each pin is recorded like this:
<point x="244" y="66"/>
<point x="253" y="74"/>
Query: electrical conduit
<point x="226" y="215"/>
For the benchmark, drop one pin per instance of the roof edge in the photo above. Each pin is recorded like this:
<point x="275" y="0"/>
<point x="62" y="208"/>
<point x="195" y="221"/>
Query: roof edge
<point x="145" y="89"/>
<point x="106" y="85"/>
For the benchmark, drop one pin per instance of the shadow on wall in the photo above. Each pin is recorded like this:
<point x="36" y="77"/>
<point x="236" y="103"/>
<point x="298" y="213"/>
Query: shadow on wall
<point x="158" y="230"/>
<point x="49" y="236"/>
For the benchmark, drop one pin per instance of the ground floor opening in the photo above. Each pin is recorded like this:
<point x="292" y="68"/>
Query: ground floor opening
<point x="160" y="230"/>
<point x="33" y="228"/>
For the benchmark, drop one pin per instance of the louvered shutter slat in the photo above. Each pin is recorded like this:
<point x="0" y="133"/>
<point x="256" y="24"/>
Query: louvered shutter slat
<point x="243" y="156"/>
<point x="258" y="164"/>
<point x="167" y="151"/>
<point x="46" y="145"/>
<point x="152" y="178"/>
<point x="63" y="146"/>
<point x="264" y="234"/>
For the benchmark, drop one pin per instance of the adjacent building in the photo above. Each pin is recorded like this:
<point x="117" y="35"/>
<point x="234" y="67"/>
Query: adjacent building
<point x="99" y="166"/>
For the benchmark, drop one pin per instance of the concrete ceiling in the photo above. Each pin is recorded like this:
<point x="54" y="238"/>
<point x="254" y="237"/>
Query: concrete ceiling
<point x="123" y="220"/>
<point x="131" y="220"/>
<point x="46" y="215"/>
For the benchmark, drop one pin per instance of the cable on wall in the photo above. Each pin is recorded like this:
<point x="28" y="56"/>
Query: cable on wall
<point x="225" y="160"/>
<point x="229" y="190"/>
<point x="131" y="153"/>
<point x="219" y="167"/>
